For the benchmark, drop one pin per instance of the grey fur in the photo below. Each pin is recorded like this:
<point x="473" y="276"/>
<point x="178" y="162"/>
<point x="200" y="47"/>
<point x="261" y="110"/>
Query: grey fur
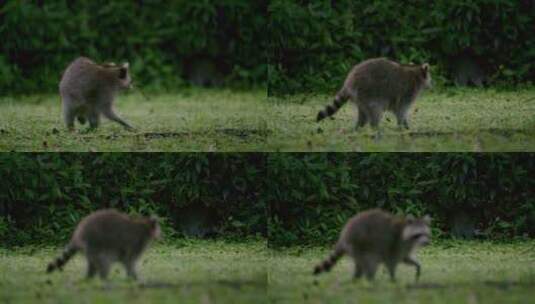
<point x="88" y="91"/>
<point x="378" y="85"/>
<point x="108" y="236"/>
<point x="376" y="237"/>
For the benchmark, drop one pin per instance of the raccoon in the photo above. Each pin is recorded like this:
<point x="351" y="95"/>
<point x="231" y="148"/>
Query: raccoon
<point x="378" y="85"/>
<point x="377" y="237"/>
<point x="88" y="90"/>
<point x="108" y="236"/>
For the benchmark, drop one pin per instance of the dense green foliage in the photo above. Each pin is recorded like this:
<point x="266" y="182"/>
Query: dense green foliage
<point x="313" y="44"/>
<point x="299" y="45"/>
<point x="312" y="195"/>
<point x="43" y="196"/>
<point x="293" y="198"/>
<point x="158" y="38"/>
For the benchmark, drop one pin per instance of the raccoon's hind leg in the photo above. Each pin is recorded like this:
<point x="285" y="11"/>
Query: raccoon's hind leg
<point x="358" y="271"/>
<point x="391" y="266"/>
<point x="369" y="266"/>
<point x="104" y="270"/>
<point x="91" y="269"/>
<point x="130" y="267"/>
<point x="402" y="116"/>
<point x="69" y="112"/>
<point x="94" y="119"/>
<point x="131" y="270"/>
<point x="362" y="118"/>
<point x="375" y="111"/>
<point x="103" y="267"/>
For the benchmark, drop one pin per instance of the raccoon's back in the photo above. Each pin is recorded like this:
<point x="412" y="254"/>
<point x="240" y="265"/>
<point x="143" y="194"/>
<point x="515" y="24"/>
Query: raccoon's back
<point x="371" y="231"/>
<point x="104" y="229"/>
<point x="79" y="77"/>
<point x="378" y="77"/>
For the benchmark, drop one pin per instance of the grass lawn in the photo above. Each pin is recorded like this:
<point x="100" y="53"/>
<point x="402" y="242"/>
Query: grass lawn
<point x="452" y="272"/>
<point x="193" y="272"/>
<point x="220" y="272"/>
<point x="442" y="120"/>
<point x="191" y="121"/>
<point x="223" y="120"/>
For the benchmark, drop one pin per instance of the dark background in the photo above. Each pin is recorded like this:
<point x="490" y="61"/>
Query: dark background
<point x="468" y="195"/>
<point x="314" y="44"/>
<point x="300" y="46"/>
<point x="168" y="43"/>
<point x="44" y="196"/>
<point x="293" y="199"/>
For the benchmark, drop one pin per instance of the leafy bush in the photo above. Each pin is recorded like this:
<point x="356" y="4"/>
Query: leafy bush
<point x="291" y="198"/>
<point x="312" y="195"/>
<point x="313" y="44"/>
<point x="39" y="39"/>
<point x="45" y="195"/>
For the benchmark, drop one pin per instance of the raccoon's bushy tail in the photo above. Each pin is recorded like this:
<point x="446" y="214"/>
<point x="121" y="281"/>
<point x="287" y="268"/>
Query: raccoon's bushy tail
<point x="328" y="263"/>
<point x="63" y="259"/>
<point x="339" y="100"/>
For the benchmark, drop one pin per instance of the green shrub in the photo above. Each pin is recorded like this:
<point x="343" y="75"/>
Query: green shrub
<point x="291" y="198"/>
<point x="312" y="195"/>
<point x="45" y="195"/>
<point x="313" y="44"/>
<point x="39" y="38"/>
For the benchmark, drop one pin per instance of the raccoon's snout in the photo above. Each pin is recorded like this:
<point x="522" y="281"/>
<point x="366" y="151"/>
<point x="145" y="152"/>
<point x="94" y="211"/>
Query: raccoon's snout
<point x="423" y="240"/>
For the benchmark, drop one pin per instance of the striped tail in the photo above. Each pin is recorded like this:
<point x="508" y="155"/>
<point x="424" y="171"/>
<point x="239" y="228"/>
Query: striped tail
<point x="339" y="101"/>
<point x="328" y="263"/>
<point x="63" y="259"/>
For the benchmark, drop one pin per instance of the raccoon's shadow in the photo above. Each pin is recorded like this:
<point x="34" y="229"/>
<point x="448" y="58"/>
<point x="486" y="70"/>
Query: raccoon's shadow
<point x="493" y="131"/>
<point x="232" y="132"/>
<point x="148" y="285"/>
<point x="380" y="284"/>
<point x="504" y="285"/>
<point x="427" y="286"/>
<point x="234" y="284"/>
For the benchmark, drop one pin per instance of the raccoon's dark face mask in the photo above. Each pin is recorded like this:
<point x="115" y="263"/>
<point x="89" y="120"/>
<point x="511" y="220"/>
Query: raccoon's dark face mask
<point x="426" y="75"/>
<point x="124" y="76"/>
<point x="417" y="231"/>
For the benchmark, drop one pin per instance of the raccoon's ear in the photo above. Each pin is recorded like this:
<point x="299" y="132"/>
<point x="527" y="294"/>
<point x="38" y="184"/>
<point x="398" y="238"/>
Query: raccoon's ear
<point x="425" y="68"/>
<point x="409" y="218"/>
<point x="123" y="72"/>
<point x="427" y="219"/>
<point x="153" y="220"/>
